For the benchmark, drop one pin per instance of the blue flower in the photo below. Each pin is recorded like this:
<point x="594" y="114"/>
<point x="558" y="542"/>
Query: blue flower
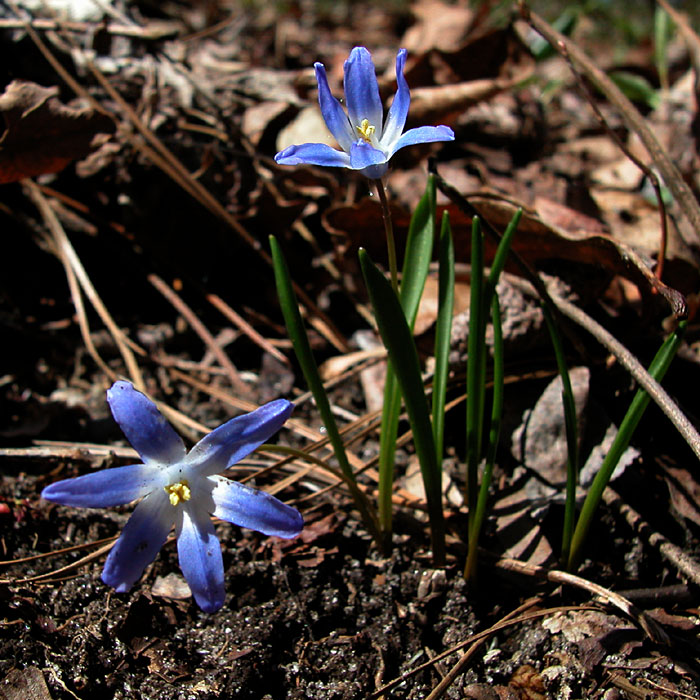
<point x="368" y="141"/>
<point x="180" y="489"/>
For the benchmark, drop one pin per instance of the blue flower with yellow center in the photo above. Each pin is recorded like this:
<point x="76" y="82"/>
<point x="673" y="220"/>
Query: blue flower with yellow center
<point x="181" y="490"/>
<point x="367" y="139"/>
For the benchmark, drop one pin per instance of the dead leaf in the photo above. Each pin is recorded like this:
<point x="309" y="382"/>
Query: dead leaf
<point x="438" y="26"/>
<point x="538" y="242"/>
<point x="172" y="586"/>
<point x="527" y="680"/>
<point x="685" y="493"/>
<point x="24" y="684"/>
<point x="43" y="135"/>
<point x="542" y="437"/>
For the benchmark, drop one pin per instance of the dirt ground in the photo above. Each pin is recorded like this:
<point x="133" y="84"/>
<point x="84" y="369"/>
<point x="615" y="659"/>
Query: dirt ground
<point x="137" y="193"/>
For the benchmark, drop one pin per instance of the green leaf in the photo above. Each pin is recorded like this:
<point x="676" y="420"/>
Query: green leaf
<point x="419" y="252"/>
<point x="657" y="369"/>
<point x="419" y="249"/>
<point x="494" y="433"/>
<point x="636" y="88"/>
<point x="398" y="341"/>
<point x="475" y="378"/>
<point x="443" y="331"/>
<point x="302" y="350"/>
<point x="571" y="427"/>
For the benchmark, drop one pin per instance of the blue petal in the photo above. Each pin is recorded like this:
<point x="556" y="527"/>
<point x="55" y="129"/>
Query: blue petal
<point x="109" y="487"/>
<point x="333" y="114"/>
<point x="237" y="438"/>
<point x="140" y="541"/>
<point x="362" y="90"/>
<point x="199" y="552"/>
<point x="313" y="154"/>
<point x="370" y="161"/>
<point x="396" y="118"/>
<point x="254" y="509"/>
<point x="145" y="428"/>
<point x="424" y="134"/>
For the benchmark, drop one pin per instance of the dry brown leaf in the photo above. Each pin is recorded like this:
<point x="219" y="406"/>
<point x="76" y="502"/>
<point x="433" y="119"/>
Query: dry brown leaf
<point x="443" y="102"/>
<point x="538" y="242"/>
<point x="685" y="493"/>
<point x="438" y="26"/>
<point x="24" y="684"/>
<point x="42" y="135"/>
<point x="444" y="83"/>
<point x="172" y="586"/>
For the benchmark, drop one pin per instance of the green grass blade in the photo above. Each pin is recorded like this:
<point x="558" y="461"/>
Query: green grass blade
<point x="663" y="31"/>
<point x="571" y="427"/>
<point x="398" y="341"/>
<point x="391" y="410"/>
<point x="443" y="331"/>
<point x="475" y="379"/>
<point x="499" y="259"/>
<point x="419" y="249"/>
<point x="494" y="433"/>
<point x="657" y="369"/>
<point x="302" y="350"/>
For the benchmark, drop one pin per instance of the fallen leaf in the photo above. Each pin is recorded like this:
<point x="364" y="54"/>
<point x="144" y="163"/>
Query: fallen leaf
<point x="42" y="135"/>
<point x="172" y="586"/>
<point x="438" y="26"/>
<point x="24" y="684"/>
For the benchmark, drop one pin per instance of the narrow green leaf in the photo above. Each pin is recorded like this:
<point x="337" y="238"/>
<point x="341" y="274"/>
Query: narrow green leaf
<point x="391" y="410"/>
<point x="302" y="350"/>
<point x="571" y="427"/>
<point x="499" y="259"/>
<point x="443" y="331"/>
<point x="657" y="369"/>
<point x="419" y="248"/>
<point x="419" y="251"/>
<point x="398" y="341"/>
<point x="494" y="433"/>
<point x="636" y="88"/>
<point x="663" y="28"/>
<point x="475" y="378"/>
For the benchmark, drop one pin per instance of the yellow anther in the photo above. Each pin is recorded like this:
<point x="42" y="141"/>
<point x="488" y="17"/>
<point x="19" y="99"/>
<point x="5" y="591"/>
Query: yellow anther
<point x="178" y="492"/>
<point x="366" y="130"/>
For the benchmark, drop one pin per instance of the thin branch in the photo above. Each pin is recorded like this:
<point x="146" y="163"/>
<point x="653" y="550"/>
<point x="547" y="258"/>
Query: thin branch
<point x="657" y="393"/>
<point x="635" y="121"/>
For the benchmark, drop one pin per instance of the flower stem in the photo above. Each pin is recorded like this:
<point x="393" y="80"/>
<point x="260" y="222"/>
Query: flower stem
<point x="389" y="231"/>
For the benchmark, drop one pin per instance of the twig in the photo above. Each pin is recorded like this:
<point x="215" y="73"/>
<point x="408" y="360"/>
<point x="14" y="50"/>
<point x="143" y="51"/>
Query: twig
<point x="650" y="627"/>
<point x="650" y="174"/>
<point x="153" y="31"/>
<point x="164" y="159"/>
<point x="71" y="260"/>
<point x="636" y="369"/>
<point x="56" y="552"/>
<point x="201" y="330"/>
<point x="69" y="567"/>
<point x="684" y="563"/>
<point x="246" y="328"/>
<point x="475" y="638"/>
<point x="459" y="667"/>
<point x="681" y="192"/>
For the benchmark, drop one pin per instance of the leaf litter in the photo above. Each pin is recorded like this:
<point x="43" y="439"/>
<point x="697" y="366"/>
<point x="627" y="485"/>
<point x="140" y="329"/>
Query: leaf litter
<point x="158" y="199"/>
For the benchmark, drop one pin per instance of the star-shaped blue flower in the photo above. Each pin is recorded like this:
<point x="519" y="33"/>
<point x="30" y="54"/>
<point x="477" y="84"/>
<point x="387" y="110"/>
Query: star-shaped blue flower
<point x="180" y="489"/>
<point x="368" y="141"/>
